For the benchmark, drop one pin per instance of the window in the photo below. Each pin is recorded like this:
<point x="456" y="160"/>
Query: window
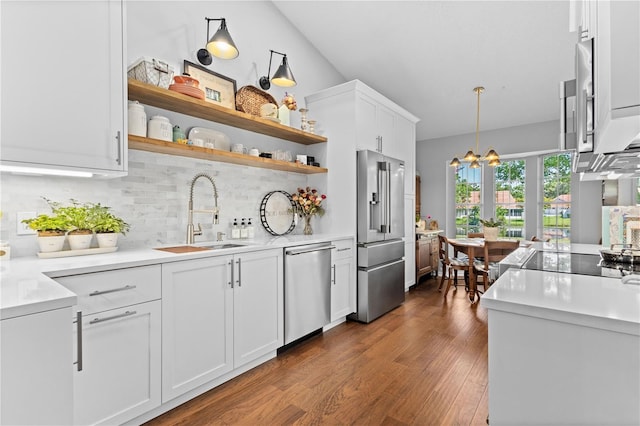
<point x="509" y="197"/>
<point x="556" y="219"/>
<point x="468" y="199"/>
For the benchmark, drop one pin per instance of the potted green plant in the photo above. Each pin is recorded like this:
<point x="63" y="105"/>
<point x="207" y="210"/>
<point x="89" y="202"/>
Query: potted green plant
<point x="78" y="219"/>
<point x="51" y="231"/>
<point x="106" y="225"/>
<point x="490" y="228"/>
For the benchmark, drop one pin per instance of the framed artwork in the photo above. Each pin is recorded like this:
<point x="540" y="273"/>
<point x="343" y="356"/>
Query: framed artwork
<point x="217" y="88"/>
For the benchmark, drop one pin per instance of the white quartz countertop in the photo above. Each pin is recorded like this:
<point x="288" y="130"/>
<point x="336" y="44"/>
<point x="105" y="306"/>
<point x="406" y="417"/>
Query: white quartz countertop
<point x="597" y="302"/>
<point x="27" y="287"/>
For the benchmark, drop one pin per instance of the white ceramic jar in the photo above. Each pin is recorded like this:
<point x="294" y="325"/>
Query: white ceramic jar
<point x="160" y="128"/>
<point x="137" y="119"/>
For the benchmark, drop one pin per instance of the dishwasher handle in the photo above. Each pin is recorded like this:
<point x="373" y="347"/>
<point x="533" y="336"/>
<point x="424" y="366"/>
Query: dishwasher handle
<point x="303" y="251"/>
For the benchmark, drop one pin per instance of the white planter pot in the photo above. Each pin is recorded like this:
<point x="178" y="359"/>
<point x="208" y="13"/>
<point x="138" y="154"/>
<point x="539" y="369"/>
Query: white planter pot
<point x="107" y="239"/>
<point x="80" y="241"/>
<point x="490" y="234"/>
<point x="51" y="243"/>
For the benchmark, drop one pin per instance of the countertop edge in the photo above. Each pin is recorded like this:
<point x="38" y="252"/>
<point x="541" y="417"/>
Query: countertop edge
<point x="27" y="286"/>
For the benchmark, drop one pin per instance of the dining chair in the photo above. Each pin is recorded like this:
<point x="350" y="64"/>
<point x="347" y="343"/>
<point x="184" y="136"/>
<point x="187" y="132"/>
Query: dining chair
<point x="494" y="252"/>
<point x="449" y="264"/>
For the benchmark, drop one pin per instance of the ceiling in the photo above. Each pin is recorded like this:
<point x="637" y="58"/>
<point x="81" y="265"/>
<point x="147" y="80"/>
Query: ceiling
<point x="427" y="56"/>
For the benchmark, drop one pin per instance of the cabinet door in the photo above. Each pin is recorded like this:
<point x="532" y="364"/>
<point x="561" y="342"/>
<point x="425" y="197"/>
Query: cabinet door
<point x="343" y="286"/>
<point x="36" y="360"/>
<point x="367" y="133"/>
<point x="63" y="92"/>
<point x="197" y="323"/>
<point x="120" y="376"/>
<point x="257" y="305"/>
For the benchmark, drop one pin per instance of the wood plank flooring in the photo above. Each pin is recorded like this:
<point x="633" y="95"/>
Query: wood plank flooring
<point x="424" y="363"/>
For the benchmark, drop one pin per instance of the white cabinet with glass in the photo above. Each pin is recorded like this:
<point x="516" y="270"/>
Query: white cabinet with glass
<point x="66" y="110"/>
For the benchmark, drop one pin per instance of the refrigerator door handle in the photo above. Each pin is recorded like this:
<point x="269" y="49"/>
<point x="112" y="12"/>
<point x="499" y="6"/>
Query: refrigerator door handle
<point x="388" y="197"/>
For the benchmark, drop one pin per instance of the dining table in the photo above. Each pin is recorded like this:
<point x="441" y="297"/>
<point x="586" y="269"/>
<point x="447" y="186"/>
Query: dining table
<point x="473" y="248"/>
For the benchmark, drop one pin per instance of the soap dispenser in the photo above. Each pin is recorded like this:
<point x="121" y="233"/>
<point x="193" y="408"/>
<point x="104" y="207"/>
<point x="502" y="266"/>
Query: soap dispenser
<point x="243" y="229"/>
<point x="235" y="230"/>
<point x="250" y="230"/>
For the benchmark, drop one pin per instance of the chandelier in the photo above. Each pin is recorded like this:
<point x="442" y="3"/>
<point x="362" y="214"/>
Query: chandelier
<point x="491" y="156"/>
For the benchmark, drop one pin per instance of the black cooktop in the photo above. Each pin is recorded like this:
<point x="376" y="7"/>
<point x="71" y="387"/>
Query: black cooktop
<point x="577" y="263"/>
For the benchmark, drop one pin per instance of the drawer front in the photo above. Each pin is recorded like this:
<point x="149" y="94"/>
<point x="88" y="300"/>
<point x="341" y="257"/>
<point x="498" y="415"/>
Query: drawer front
<point x="344" y="249"/>
<point x="101" y="291"/>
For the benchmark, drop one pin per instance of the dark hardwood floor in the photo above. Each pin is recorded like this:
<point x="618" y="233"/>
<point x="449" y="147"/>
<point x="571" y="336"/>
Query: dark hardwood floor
<point x="424" y="363"/>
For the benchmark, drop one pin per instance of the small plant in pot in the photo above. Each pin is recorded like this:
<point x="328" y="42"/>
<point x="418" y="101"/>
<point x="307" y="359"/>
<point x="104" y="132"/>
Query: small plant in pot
<point x="51" y="231"/>
<point x="491" y="228"/>
<point x="106" y="225"/>
<point x="78" y="219"/>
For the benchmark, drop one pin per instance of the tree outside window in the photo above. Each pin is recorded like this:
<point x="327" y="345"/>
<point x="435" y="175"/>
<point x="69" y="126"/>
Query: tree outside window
<point x="468" y="199"/>
<point x="556" y="219"/>
<point x="509" y="197"/>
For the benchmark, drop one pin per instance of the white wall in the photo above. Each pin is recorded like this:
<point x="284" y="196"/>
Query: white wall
<point x="153" y="198"/>
<point x="438" y="179"/>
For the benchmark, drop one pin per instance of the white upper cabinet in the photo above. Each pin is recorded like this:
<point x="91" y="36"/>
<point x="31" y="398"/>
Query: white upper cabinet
<point x="375" y="125"/>
<point x="63" y="86"/>
<point x="617" y="71"/>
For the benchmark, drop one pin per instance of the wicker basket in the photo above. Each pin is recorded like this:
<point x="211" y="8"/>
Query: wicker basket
<point x="151" y="71"/>
<point x="249" y="99"/>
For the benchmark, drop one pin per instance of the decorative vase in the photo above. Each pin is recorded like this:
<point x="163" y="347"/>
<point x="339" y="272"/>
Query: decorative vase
<point x="307" y="226"/>
<point x="304" y="125"/>
<point x="107" y="239"/>
<point x="490" y="234"/>
<point x="284" y="115"/>
<point x="50" y="241"/>
<point x="79" y="240"/>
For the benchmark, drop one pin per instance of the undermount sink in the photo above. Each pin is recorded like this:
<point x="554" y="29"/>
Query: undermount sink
<point x="190" y="248"/>
<point x="222" y="246"/>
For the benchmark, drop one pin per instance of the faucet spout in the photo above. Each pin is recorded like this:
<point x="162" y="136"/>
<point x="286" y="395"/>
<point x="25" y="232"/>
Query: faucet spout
<point x="191" y="232"/>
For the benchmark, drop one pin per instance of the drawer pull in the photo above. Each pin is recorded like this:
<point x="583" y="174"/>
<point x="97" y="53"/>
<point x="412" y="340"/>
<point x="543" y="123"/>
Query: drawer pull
<point x="344" y="249"/>
<point x="126" y="314"/>
<point x="113" y="290"/>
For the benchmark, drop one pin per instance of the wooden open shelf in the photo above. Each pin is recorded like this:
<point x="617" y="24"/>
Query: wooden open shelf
<point x="172" y="148"/>
<point x="177" y="102"/>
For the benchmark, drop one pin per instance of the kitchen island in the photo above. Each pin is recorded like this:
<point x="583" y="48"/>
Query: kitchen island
<point x="563" y="348"/>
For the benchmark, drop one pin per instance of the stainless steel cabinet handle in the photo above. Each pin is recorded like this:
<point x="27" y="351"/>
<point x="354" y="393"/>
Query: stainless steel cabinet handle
<point x="113" y="290"/>
<point x="125" y="314"/>
<point x="78" y="323"/>
<point x="239" y="273"/>
<point x="333" y="280"/>
<point x="231" y="273"/>
<point x="344" y="249"/>
<point x="297" y="252"/>
<point x="119" y="145"/>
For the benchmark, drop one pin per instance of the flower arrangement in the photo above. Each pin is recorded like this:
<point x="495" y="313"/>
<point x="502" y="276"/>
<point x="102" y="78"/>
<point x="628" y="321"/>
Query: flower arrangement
<point x="290" y="102"/>
<point x="309" y="202"/>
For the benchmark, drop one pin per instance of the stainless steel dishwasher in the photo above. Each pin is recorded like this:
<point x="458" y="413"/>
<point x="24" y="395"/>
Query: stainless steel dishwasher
<point x="307" y="289"/>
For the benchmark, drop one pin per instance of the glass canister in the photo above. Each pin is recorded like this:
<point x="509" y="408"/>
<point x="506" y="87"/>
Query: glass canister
<point x="137" y="119"/>
<point x="160" y="128"/>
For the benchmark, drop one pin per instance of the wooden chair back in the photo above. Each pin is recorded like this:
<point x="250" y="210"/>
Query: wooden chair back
<point x="443" y="249"/>
<point x="475" y="235"/>
<point x="495" y="251"/>
<point x="546" y="240"/>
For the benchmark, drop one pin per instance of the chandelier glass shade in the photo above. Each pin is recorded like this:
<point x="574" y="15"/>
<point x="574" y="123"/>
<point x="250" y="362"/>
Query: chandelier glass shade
<point x="473" y="157"/>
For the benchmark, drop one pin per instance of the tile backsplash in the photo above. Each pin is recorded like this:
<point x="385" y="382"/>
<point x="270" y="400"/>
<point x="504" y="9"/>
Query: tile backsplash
<point x="153" y="198"/>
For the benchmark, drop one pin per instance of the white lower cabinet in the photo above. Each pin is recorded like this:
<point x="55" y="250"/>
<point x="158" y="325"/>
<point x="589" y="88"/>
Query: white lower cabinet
<point x="343" y="283"/>
<point x="36" y="360"/>
<point x="118" y="376"/>
<point x="218" y="314"/>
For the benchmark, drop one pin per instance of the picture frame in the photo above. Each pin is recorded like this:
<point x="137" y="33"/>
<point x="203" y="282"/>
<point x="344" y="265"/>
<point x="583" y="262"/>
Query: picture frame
<point x="218" y="89"/>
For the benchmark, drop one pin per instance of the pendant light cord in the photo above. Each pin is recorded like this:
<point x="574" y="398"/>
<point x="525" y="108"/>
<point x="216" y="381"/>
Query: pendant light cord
<point x="478" y="90"/>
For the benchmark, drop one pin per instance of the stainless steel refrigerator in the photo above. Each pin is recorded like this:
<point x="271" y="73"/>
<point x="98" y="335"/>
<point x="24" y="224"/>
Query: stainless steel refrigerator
<point x="380" y="232"/>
